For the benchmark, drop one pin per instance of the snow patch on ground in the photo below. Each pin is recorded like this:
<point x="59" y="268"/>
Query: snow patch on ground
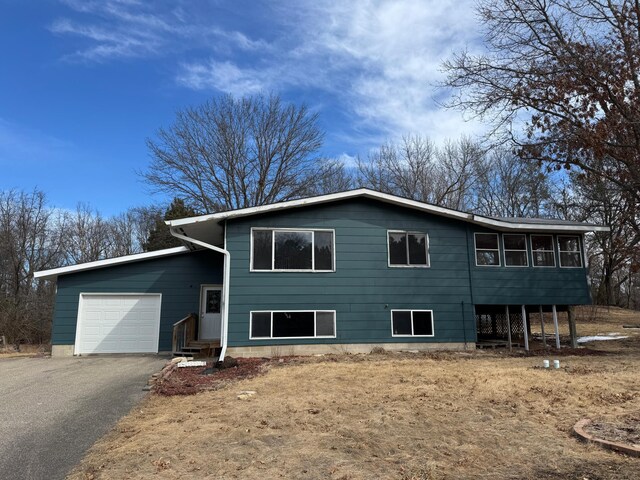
<point x="596" y="338"/>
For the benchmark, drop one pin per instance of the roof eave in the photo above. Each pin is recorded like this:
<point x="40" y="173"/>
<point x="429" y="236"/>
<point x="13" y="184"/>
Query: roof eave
<point x="318" y="200"/>
<point x="387" y="198"/>
<point x="528" y="227"/>
<point x="81" y="267"/>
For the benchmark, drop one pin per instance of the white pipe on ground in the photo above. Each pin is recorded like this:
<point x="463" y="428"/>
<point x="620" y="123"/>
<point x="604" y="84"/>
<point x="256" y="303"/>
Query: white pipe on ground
<point x="555" y="324"/>
<point x="225" y="285"/>
<point x="524" y="326"/>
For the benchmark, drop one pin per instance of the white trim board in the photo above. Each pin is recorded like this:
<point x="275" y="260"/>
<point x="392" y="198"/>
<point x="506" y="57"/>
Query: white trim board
<point x="393" y="199"/>
<point x="53" y="273"/>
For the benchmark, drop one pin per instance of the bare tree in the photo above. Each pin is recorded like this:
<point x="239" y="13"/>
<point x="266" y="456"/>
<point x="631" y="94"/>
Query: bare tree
<point x="334" y="177"/>
<point x="89" y="235"/>
<point x="507" y="186"/>
<point x="614" y="254"/>
<point x="415" y="168"/>
<point x="129" y="231"/>
<point x="567" y="72"/>
<point x="232" y="153"/>
<point x="31" y="239"/>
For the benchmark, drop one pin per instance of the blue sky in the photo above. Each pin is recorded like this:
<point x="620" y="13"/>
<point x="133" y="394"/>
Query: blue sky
<point x="84" y="83"/>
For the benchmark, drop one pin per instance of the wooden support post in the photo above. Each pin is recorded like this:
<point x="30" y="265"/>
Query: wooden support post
<point x="508" y="327"/>
<point x="572" y="326"/>
<point x="544" y="338"/>
<point x="555" y="324"/>
<point x="524" y="328"/>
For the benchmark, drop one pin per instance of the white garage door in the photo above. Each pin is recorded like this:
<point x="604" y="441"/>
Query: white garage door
<point x="118" y="323"/>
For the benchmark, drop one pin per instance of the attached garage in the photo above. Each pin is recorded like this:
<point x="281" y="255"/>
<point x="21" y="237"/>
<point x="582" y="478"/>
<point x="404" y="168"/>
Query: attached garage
<point x="129" y="304"/>
<point x="118" y="323"/>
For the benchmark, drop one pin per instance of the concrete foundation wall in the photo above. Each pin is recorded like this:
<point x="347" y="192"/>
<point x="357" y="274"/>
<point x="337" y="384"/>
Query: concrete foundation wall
<point x="61" y="350"/>
<point x="316" y="349"/>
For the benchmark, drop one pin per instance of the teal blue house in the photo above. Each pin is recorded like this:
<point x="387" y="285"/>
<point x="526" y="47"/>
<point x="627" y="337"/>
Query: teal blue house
<point x="344" y="272"/>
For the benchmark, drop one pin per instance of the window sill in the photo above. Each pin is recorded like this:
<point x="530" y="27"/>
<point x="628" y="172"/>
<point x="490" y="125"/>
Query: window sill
<point x="409" y="266"/>
<point x="292" y="271"/>
<point x="412" y="336"/>
<point x="292" y="338"/>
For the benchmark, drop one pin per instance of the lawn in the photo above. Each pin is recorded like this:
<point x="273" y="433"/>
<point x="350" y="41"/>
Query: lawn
<point x="462" y="415"/>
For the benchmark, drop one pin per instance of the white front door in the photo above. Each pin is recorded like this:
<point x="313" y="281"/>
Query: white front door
<point x="210" y="313"/>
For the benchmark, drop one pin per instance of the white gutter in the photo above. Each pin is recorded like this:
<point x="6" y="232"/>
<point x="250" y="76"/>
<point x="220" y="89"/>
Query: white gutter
<point x="225" y="285"/>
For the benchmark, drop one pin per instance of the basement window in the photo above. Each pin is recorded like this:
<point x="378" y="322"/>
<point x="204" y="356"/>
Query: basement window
<point x="487" y="250"/>
<point x="515" y="250"/>
<point x="292" y="250"/>
<point x="408" y="249"/>
<point x="542" y="251"/>
<point x="412" y="323"/>
<point x="293" y="324"/>
<point x="569" y="248"/>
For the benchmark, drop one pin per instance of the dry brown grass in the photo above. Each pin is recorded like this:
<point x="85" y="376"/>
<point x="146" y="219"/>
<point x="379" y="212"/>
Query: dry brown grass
<point x="25" y="351"/>
<point x="480" y="415"/>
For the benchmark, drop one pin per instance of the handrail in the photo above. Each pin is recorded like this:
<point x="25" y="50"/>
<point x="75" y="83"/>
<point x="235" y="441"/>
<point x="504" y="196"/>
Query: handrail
<point x="181" y="332"/>
<point x="183" y="320"/>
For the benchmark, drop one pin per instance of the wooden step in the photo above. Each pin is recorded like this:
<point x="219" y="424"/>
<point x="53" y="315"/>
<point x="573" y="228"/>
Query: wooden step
<point x="203" y="343"/>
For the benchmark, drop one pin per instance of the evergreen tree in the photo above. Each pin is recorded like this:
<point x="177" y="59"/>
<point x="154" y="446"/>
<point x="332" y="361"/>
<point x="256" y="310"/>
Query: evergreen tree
<point x="160" y="237"/>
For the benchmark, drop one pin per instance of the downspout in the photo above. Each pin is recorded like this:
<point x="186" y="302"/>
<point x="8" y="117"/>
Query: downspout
<point x="225" y="284"/>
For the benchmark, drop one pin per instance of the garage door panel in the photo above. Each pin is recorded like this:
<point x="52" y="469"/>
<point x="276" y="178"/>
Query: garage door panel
<point x="119" y="323"/>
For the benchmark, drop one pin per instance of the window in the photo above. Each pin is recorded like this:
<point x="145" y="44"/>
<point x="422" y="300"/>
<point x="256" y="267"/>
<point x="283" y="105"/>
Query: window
<point x="569" y="248"/>
<point x="542" y="251"/>
<point x="292" y="250"/>
<point x="298" y="324"/>
<point x="515" y="250"/>
<point x="487" y="250"/>
<point x="408" y="249"/>
<point x="412" y="323"/>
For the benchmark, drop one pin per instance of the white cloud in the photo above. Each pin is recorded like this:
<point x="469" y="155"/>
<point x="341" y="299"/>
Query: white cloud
<point x="393" y="50"/>
<point x="349" y="161"/>
<point x="223" y="76"/>
<point x="116" y="29"/>
<point x="378" y="60"/>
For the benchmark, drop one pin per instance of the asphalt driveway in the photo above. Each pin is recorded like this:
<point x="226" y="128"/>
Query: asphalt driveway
<point x="53" y="409"/>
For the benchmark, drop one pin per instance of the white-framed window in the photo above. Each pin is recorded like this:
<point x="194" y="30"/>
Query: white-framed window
<point x="292" y="250"/>
<point x="570" y="251"/>
<point x="292" y="324"/>
<point x="407" y="249"/>
<point x="542" y="251"/>
<point x="412" y="323"/>
<point x="515" y="250"/>
<point x="487" y="249"/>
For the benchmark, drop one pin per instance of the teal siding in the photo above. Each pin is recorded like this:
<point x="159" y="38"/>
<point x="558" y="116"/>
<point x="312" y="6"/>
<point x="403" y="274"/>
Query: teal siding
<point x="177" y="278"/>
<point x="527" y="285"/>
<point x="363" y="289"/>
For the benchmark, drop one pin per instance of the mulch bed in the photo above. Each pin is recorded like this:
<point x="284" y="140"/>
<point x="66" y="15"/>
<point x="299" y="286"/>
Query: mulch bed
<point x="624" y="430"/>
<point x="191" y="380"/>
